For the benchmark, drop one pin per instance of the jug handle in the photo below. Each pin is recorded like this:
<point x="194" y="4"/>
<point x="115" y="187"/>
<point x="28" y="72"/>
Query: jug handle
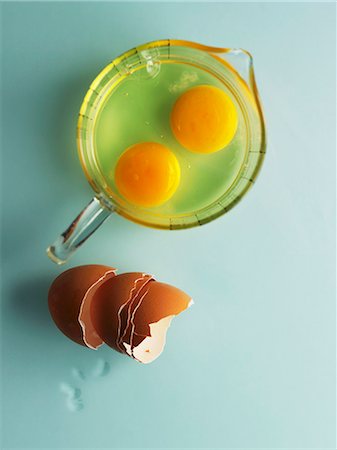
<point x="89" y="219"/>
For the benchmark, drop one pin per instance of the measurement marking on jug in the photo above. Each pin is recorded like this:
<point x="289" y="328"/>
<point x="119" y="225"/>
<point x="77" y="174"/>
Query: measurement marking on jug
<point x="118" y="71"/>
<point x="248" y="179"/>
<point x="87" y="117"/>
<point x="259" y="151"/>
<point x="93" y="90"/>
<point x="223" y="207"/>
<point x="140" y="60"/>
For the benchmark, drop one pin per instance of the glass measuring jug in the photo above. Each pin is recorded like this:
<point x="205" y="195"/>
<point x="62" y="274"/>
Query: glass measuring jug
<point x="130" y="102"/>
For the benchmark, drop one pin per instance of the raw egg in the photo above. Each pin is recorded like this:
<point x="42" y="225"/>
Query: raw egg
<point x="147" y="174"/>
<point x="69" y="301"/>
<point x="130" y="312"/>
<point x="204" y="119"/>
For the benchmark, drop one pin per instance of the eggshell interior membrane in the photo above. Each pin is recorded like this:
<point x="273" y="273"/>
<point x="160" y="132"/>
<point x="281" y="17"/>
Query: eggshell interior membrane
<point x="132" y="312"/>
<point x="69" y="300"/>
<point x="152" y="346"/>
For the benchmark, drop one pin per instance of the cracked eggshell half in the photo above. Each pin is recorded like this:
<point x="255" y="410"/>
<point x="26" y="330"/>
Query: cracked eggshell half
<point x="132" y="313"/>
<point x="69" y="300"/>
<point x="113" y="305"/>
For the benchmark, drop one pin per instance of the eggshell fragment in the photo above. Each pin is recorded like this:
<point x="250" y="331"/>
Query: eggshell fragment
<point x="132" y="312"/>
<point x="69" y="300"/>
<point x="113" y="304"/>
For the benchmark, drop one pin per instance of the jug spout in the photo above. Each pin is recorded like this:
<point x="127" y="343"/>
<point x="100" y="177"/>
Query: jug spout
<point x="242" y="61"/>
<point x="238" y="60"/>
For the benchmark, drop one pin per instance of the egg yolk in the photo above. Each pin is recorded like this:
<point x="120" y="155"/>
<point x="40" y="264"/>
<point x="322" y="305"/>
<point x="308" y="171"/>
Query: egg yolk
<point x="204" y="119"/>
<point x="147" y="174"/>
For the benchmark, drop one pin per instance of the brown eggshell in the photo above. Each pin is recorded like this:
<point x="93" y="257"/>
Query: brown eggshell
<point x="132" y="313"/>
<point x="113" y="304"/>
<point x="161" y="300"/>
<point x="69" y="300"/>
<point x="146" y="335"/>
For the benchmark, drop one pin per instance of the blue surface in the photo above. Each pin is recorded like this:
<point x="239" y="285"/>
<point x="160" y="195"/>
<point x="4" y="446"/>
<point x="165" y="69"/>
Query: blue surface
<point x="251" y="365"/>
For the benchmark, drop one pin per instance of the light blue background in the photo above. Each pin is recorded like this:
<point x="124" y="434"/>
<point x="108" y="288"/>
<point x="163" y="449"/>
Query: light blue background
<point x="251" y="365"/>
